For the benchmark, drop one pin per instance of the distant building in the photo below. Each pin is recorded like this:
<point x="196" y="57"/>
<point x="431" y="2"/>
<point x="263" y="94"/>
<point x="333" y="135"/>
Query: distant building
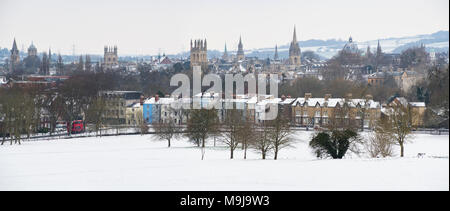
<point x="294" y="53"/>
<point x="117" y="103"/>
<point x="15" y="57"/>
<point x="32" y="50"/>
<point x="240" y="52"/>
<point x="199" y="53"/>
<point x="32" y="62"/>
<point x="317" y="112"/>
<point x="134" y="116"/>
<point x="225" y="53"/>
<point x="110" y="58"/>
<point x="350" y="47"/>
<point x="417" y="110"/>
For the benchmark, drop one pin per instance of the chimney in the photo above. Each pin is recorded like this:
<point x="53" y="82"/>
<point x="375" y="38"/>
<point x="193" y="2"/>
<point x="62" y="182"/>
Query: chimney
<point x="156" y="98"/>
<point x="141" y="101"/>
<point x="307" y="96"/>
<point x="327" y="96"/>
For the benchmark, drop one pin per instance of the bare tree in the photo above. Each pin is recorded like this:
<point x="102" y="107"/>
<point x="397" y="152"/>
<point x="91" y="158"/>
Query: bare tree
<point x="279" y="130"/>
<point x="379" y="144"/>
<point x="167" y="130"/>
<point x="201" y="124"/>
<point x="233" y="123"/>
<point x="397" y="124"/>
<point x="95" y="113"/>
<point x="262" y="143"/>
<point x="247" y="135"/>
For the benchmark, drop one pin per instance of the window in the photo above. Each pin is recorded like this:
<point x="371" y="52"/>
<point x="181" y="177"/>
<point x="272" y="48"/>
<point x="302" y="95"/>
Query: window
<point x="305" y="121"/>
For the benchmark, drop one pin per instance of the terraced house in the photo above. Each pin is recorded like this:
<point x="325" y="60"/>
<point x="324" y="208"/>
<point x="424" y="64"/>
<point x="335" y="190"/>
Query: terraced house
<point x="302" y="112"/>
<point x="318" y="112"/>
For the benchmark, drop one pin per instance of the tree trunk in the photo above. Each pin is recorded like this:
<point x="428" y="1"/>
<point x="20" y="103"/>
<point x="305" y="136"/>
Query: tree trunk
<point x="263" y="155"/>
<point x="245" y="152"/>
<point x="231" y="152"/>
<point x="168" y="142"/>
<point x="203" y="153"/>
<point x="275" y="153"/>
<point x="402" y="149"/>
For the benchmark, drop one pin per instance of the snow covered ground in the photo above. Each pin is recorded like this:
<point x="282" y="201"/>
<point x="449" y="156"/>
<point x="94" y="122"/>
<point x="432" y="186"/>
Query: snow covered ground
<point x="143" y="163"/>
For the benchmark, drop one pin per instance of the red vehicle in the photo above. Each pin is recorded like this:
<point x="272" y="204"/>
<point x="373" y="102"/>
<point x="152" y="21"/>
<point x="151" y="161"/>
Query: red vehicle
<point x="77" y="126"/>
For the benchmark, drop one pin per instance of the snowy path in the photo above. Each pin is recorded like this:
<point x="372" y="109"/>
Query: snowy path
<point x="141" y="163"/>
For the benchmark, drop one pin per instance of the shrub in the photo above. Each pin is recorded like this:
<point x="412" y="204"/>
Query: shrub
<point x="334" y="145"/>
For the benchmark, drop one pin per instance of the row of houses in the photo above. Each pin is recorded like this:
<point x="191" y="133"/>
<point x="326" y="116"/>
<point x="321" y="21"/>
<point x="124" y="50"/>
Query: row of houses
<point x="308" y="111"/>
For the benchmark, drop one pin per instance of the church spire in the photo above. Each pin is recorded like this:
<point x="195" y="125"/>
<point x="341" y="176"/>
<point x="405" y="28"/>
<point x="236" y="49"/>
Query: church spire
<point x="275" y="57"/>
<point x="225" y="51"/>
<point x="378" y="47"/>
<point x="294" y="39"/>
<point x="240" y="52"/>
<point x="14" y="47"/>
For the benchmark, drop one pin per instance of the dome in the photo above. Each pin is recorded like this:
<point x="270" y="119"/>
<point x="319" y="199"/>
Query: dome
<point x="32" y="50"/>
<point x="350" y="46"/>
<point x="32" y="47"/>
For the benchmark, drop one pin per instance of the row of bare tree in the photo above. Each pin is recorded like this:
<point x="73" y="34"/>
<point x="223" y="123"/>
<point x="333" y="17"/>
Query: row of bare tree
<point x="235" y="131"/>
<point x="31" y="109"/>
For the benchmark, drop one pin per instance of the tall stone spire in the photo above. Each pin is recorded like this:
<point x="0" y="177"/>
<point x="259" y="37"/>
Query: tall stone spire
<point x="14" y="47"/>
<point x="275" y="57"/>
<point x="379" y="48"/>
<point x="294" y="39"/>
<point x="225" y="53"/>
<point x="240" y="52"/>
<point x="294" y="52"/>
<point x="15" y="57"/>
<point x="49" y="55"/>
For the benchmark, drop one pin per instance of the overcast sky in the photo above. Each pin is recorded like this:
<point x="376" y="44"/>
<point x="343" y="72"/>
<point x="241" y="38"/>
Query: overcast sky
<point x="152" y="26"/>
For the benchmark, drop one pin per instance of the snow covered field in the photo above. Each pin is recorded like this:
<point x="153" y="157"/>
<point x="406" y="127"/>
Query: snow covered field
<point x="142" y="163"/>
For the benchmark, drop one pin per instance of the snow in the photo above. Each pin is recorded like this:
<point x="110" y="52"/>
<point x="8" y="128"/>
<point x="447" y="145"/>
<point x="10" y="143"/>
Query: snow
<point x="138" y="162"/>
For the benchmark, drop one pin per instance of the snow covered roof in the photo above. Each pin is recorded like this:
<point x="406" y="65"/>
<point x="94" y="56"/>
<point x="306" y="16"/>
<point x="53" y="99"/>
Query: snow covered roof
<point x="333" y="102"/>
<point x="160" y="101"/>
<point x="207" y="94"/>
<point x="417" y="104"/>
<point x="134" y="105"/>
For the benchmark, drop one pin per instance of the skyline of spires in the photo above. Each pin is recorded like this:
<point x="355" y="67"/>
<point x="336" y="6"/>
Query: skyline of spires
<point x="240" y="43"/>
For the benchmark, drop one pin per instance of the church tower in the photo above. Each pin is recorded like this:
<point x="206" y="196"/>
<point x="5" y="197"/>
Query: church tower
<point x="240" y="52"/>
<point x="110" y="58"/>
<point x="15" y="57"/>
<point x="32" y="50"/>
<point x="378" y="56"/>
<point x="275" y="57"/>
<point x="294" y="52"/>
<point x="199" y="53"/>
<point x="225" y="53"/>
